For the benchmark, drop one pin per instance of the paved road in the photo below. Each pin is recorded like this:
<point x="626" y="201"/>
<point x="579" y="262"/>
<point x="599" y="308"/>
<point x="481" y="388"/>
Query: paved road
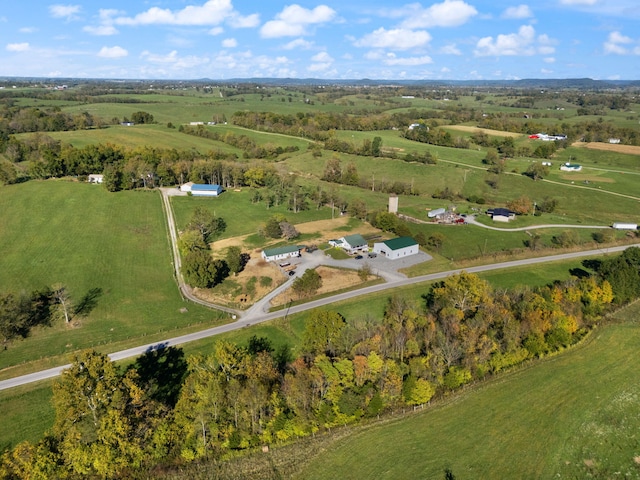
<point x="472" y="221"/>
<point x="255" y="315"/>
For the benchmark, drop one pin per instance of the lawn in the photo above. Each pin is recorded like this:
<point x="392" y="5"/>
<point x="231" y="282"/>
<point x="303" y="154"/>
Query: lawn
<point x="86" y="238"/>
<point x="575" y="415"/>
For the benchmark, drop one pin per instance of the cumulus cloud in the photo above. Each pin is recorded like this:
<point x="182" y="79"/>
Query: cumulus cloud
<point x="450" y="13"/>
<point x="18" y="47"/>
<point x="212" y="12"/>
<point x="450" y="50"/>
<point x="519" y="12"/>
<point x="523" y="43"/>
<point x="70" y="12"/>
<point x="100" y="30"/>
<point x="294" y="20"/>
<point x="395" y="39"/>
<point x="578" y="2"/>
<point x="617" y="44"/>
<point x="229" y="43"/>
<point x="112" y="52"/>
<point x="175" y="61"/>
<point x="300" y="43"/>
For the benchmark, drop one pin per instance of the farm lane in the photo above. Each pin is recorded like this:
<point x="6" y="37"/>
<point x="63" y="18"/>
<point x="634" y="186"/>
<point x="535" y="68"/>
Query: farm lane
<point x="472" y="221"/>
<point x="256" y="317"/>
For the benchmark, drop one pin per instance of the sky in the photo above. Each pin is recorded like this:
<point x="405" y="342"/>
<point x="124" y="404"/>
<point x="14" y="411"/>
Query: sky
<point x="381" y="40"/>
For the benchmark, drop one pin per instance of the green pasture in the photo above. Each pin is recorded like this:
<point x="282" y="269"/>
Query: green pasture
<point x="574" y="415"/>
<point x="158" y="136"/>
<point x="86" y="238"/>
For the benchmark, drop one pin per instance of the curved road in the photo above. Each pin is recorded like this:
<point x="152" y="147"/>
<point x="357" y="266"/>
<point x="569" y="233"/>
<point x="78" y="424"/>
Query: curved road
<point x="255" y="315"/>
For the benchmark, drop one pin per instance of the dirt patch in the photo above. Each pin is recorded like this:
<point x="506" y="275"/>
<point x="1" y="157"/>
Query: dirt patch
<point x="588" y="178"/>
<point x="495" y="133"/>
<point x="609" y="147"/>
<point x="333" y="279"/>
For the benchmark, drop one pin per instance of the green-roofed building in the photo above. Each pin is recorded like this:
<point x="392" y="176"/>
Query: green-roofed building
<point x="397" y="248"/>
<point x="351" y="243"/>
<point x="281" y="253"/>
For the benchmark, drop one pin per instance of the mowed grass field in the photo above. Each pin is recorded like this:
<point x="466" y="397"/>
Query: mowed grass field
<point x="575" y="415"/>
<point x="86" y="238"/>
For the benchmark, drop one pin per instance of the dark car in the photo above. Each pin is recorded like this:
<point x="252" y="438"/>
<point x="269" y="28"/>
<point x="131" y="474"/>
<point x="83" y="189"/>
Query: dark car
<point x="359" y="257"/>
<point x="292" y="273"/>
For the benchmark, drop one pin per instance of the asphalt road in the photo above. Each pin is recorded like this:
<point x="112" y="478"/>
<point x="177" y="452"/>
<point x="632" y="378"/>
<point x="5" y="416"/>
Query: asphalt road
<point x="255" y="316"/>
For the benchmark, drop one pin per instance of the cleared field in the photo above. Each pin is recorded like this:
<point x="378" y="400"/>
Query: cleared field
<point x="88" y="239"/>
<point x="571" y="416"/>
<point x="488" y="131"/>
<point x="609" y="147"/>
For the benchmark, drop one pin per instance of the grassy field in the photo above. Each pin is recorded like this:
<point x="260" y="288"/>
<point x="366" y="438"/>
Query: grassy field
<point x="86" y="238"/>
<point x="575" y="415"/>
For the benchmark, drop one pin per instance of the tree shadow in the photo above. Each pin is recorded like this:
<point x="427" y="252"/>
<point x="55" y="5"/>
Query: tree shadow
<point x="162" y="370"/>
<point x="88" y="302"/>
<point x="579" y="272"/>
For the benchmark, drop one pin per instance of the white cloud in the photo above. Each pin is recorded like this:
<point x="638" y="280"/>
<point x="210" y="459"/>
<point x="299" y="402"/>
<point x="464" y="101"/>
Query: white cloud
<point x="112" y="52"/>
<point x="396" y="39"/>
<point x="174" y="61"/>
<point x="450" y="50"/>
<point x="549" y="60"/>
<point x="450" y="13"/>
<point x="523" y="43"/>
<point x="28" y="30"/>
<point x="519" y="12"/>
<point x="578" y="2"/>
<point x="65" y="11"/>
<point x="322" y="57"/>
<point x="18" y="47"/>
<point x="297" y="43"/>
<point x="616" y="42"/>
<point x="229" y="43"/>
<point x="216" y="31"/>
<point x="294" y="20"/>
<point x="322" y="61"/>
<point x="100" y="30"/>
<point x="250" y="21"/>
<point x="392" y="60"/>
<point x="212" y="12"/>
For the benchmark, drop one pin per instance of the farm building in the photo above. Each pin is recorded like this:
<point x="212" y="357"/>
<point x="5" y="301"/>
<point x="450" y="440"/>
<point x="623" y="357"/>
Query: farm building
<point x="95" y="178"/>
<point x="350" y="243"/>
<point x="397" y="247"/>
<point x="501" y="214"/>
<point x="570" y="167"/>
<point x="625" y="226"/>
<point x="281" y="253"/>
<point x="205" y="190"/>
<point x="186" y="187"/>
<point x="436" y="213"/>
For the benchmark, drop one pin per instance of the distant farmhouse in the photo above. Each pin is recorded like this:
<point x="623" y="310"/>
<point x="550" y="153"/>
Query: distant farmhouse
<point x="501" y="214"/>
<point x="95" y="178"/>
<point x="397" y="248"/>
<point x="570" y="167"/>
<point x="281" y="253"/>
<point x="201" y="189"/>
<point x="350" y="243"/>
<point x="547" y="138"/>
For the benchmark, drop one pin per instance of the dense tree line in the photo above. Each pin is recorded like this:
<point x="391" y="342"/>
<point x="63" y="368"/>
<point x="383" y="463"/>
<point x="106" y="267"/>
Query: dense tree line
<point x="163" y="409"/>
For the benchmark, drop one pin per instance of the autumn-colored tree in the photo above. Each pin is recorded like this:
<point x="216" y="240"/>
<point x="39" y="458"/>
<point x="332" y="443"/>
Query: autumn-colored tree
<point x="521" y="205"/>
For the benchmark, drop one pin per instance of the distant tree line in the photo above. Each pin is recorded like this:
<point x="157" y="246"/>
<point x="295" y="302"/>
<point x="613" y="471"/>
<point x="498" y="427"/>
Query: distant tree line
<point x="165" y="410"/>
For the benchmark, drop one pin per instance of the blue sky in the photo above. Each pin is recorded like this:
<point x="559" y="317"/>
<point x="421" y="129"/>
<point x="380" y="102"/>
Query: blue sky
<point x="222" y="39"/>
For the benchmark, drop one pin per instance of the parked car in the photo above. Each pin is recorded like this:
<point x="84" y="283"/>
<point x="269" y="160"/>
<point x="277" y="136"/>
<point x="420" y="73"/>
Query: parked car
<point x="359" y="257"/>
<point x="372" y="255"/>
<point x="292" y="273"/>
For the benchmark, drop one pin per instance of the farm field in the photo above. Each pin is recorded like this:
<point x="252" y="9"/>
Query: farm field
<point x="570" y="416"/>
<point x="88" y="239"/>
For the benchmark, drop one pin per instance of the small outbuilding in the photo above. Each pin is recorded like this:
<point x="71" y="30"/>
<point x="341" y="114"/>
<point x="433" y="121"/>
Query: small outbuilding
<point x="570" y="167"/>
<point x="186" y="187"/>
<point x="501" y="214"/>
<point x="281" y="253"/>
<point x="625" y="226"/>
<point x="397" y="248"/>
<point x="205" y="190"/>
<point x="436" y="213"/>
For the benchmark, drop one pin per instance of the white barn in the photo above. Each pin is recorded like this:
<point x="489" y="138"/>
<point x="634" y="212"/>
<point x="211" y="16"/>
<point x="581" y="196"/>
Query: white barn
<point x="397" y="247"/>
<point x="205" y="190"/>
<point x="281" y="253"/>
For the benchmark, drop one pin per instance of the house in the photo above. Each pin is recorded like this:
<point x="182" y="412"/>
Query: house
<point x="570" y="167"/>
<point x="95" y="178"/>
<point x="397" y="247"/>
<point x="205" y="190"/>
<point x="281" y="253"/>
<point x="350" y="243"/>
<point x="501" y="214"/>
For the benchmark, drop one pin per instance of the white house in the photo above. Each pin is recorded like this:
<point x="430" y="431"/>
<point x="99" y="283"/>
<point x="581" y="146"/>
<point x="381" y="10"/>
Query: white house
<point x="397" y="247"/>
<point x="570" y="167"/>
<point x="281" y="253"/>
<point x="350" y="243"/>
<point x="205" y="190"/>
<point x="95" y="178"/>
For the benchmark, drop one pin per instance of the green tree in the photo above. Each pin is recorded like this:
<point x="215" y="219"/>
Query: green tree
<point x="537" y="171"/>
<point x="376" y="145"/>
<point x="234" y="259"/>
<point x="332" y="171"/>
<point x="190" y="241"/>
<point x="322" y="332"/>
<point x="307" y="284"/>
<point x="206" y="223"/>
<point x="202" y="271"/>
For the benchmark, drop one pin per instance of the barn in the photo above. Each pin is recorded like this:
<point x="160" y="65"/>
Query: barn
<point x="397" y="247"/>
<point x="281" y="253"/>
<point x="205" y="190"/>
